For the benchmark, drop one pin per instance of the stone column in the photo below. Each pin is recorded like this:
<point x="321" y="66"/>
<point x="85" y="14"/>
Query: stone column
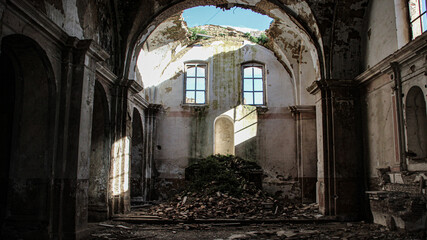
<point x="305" y="120"/>
<point x="76" y="105"/>
<point x="119" y="172"/>
<point x="340" y="164"/>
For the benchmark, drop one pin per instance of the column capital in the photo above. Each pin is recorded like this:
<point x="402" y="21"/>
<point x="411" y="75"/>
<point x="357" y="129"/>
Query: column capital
<point x="88" y="47"/>
<point x="154" y="107"/>
<point x="302" y="109"/>
<point x="325" y="84"/>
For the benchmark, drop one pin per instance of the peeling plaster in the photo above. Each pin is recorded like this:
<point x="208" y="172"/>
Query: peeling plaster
<point x="245" y="2"/>
<point x="71" y="22"/>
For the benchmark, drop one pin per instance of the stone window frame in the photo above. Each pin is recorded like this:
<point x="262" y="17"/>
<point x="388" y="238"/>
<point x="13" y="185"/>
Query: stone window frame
<point x="417" y="15"/>
<point x="205" y="90"/>
<point x="263" y="75"/>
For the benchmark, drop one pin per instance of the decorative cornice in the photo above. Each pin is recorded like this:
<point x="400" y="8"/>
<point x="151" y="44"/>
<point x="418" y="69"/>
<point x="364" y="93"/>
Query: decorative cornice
<point x="329" y="84"/>
<point x="315" y="87"/>
<point x="154" y="107"/>
<point x="98" y="52"/>
<point x="134" y="86"/>
<point x="302" y="109"/>
<point x="406" y="53"/>
<point x="89" y="47"/>
<point x="106" y="75"/>
<point x="139" y="100"/>
<point x="32" y="16"/>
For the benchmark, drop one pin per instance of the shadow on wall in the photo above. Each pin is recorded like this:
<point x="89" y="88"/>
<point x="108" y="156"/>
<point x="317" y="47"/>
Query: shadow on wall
<point x="99" y="158"/>
<point x="27" y="145"/>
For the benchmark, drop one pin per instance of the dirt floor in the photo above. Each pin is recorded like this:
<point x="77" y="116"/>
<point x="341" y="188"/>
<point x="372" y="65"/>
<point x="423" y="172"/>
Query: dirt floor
<point x="331" y="230"/>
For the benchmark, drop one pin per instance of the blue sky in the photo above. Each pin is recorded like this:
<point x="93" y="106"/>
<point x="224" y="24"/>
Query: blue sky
<point x="236" y="17"/>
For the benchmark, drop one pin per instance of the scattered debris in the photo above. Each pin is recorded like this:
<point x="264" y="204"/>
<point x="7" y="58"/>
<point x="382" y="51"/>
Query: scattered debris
<point x="226" y="187"/>
<point x="106" y="225"/>
<point x="124" y="227"/>
<point x="332" y="230"/>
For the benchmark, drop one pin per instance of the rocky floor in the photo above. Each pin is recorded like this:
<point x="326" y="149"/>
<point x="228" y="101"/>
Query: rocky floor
<point x="333" y="230"/>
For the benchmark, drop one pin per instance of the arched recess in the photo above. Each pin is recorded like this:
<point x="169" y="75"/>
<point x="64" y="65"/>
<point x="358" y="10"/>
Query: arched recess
<point x="416" y="123"/>
<point x="224" y="136"/>
<point x="138" y="191"/>
<point x="29" y="93"/>
<point x="99" y="157"/>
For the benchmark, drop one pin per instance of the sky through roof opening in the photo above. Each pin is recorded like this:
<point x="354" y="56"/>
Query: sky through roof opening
<point x="244" y="20"/>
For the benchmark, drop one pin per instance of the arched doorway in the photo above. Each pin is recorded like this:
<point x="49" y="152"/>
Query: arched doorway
<point x="99" y="158"/>
<point x="138" y="192"/>
<point x="416" y="123"/>
<point x="29" y="94"/>
<point x="224" y="136"/>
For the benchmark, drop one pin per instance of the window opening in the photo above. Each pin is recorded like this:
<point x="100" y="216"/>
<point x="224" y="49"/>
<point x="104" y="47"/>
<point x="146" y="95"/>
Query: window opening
<point x="195" y="83"/>
<point x="253" y="84"/>
<point x="417" y="12"/>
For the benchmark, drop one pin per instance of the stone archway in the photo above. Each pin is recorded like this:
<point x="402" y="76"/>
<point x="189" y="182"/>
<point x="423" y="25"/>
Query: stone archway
<point x="416" y="123"/>
<point x="138" y="191"/>
<point x="27" y="168"/>
<point x="99" y="158"/>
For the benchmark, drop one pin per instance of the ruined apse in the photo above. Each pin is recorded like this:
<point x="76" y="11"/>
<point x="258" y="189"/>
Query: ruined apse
<point x="223" y="122"/>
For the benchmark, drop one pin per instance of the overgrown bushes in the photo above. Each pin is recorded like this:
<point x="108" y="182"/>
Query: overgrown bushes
<point x="262" y="39"/>
<point x="194" y="33"/>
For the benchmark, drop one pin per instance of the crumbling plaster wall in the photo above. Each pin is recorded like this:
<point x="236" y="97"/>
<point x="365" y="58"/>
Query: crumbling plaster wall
<point x="379" y="91"/>
<point x="70" y="68"/>
<point x="379" y="122"/>
<point x="84" y="19"/>
<point x="185" y="132"/>
<point x="413" y="75"/>
<point x="341" y="27"/>
<point x="380" y="39"/>
<point x="295" y="15"/>
<point x="394" y="179"/>
<point x="380" y="118"/>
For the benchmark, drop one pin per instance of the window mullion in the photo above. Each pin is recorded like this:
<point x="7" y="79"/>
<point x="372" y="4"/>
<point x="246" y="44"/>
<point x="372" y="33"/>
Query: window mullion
<point x="421" y="20"/>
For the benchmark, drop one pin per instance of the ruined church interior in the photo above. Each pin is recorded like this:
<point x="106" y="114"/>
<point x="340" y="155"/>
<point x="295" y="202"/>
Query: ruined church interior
<point x="113" y="110"/>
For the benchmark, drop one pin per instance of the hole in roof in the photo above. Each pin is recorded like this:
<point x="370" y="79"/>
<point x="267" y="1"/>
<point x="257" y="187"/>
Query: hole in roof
<point x="241" y="19"/>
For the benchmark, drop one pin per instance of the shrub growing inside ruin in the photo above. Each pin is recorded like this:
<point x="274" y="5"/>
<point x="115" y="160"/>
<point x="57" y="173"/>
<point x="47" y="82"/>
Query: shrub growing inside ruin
<point x="194" y="33"/>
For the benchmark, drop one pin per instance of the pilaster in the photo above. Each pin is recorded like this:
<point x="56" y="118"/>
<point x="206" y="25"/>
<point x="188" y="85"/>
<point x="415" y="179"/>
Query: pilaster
<point x="340" y="164"/>
<point x="77" y="90"/>
<point x="149" y="134"/>
<point x="305" y="121"/>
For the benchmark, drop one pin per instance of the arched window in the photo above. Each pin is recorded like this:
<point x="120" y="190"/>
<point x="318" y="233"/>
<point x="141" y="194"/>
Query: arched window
<point x="195" y="83"/>
<point x="418" y="16"/>
<point x="253" y="83"/>
<point x="416" y="123"/>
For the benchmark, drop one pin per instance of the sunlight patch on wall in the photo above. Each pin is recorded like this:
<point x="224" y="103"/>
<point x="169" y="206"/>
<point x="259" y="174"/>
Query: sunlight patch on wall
<point x="120" y="171"/>
<point x="246" y="123"/>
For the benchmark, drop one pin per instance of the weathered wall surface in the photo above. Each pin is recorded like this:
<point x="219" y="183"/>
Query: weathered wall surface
<point x="83" y="19"/>
<point x="379" y="124"/>
<point x="396" y="173"/>
<point x="341" y="28"/>
<point x="380" y="39"/>
<point x="186" y="132"/>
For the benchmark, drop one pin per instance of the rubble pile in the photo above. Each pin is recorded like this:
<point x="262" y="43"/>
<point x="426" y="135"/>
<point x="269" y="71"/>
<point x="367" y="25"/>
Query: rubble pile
<point x="226" y="187"/>
<point x="191" y="206"/>
<point x="228" y="174"/>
